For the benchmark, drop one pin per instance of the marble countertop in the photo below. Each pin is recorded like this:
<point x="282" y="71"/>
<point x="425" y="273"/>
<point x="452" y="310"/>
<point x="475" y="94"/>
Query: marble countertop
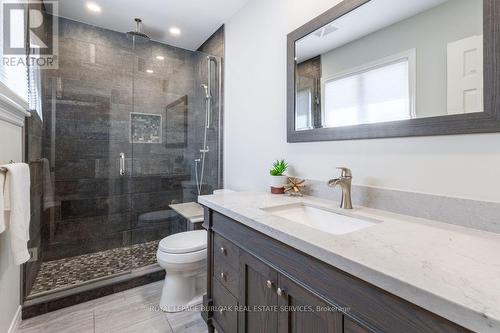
<point x="449" y="270"/>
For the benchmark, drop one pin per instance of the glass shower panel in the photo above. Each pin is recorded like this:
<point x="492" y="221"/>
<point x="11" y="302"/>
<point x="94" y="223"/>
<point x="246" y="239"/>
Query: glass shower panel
<point x="207" y="116"/>
<point x="167" y="133"/>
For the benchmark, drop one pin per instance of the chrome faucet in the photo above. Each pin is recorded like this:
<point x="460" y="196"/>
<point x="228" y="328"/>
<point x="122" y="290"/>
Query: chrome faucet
<point x="344" y="181"/>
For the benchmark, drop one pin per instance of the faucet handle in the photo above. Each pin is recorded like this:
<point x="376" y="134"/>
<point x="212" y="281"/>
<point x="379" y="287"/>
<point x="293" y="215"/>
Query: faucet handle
<point x="345" y="172"/>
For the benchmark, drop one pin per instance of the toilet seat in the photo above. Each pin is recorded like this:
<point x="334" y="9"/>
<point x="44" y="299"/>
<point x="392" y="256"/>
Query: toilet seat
<point x="181" y="258"/>
<point x="184" y="242"/>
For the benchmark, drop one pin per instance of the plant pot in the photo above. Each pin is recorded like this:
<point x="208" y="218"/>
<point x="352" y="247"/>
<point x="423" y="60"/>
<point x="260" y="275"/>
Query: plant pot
<point x="278" y="181"/>
<point x="278" y="184"/>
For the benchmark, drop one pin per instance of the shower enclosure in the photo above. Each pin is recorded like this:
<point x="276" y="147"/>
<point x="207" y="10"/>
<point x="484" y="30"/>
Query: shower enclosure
<point x="127" y="127"/>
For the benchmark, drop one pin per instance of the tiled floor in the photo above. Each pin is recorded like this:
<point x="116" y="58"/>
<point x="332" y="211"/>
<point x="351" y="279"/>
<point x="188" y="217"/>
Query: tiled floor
<point x="134" y="310"/>
<point x="72" y="271"/>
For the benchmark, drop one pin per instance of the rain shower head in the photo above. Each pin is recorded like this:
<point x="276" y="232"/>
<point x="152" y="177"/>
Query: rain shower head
<point x="138" y="35"/>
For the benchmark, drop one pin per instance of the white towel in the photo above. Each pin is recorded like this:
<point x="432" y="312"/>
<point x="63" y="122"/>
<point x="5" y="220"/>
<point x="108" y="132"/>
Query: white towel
<point x="16" y="199"/>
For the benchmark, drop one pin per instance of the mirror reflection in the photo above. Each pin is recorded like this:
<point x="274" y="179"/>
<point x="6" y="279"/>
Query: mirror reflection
<point x="387" y="62"/>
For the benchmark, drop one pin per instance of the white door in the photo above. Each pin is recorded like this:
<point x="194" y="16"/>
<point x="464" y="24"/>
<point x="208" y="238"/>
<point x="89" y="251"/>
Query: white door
<point x="465" y="75"/>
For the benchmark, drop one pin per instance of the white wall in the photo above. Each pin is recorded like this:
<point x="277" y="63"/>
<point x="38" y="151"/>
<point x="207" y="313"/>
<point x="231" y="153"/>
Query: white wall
<point x="10" y="149"/>
<point x="255" y="131"/>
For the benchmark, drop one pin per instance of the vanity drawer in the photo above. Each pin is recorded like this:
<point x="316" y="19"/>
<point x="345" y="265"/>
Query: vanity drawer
<point x="227" y="276"/>
<point x="225" y="314"/>
<point x="226" y="259"/>
<point x="225" y="252"/>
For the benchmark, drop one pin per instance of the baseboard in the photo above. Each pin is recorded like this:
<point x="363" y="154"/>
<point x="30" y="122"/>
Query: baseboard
<point x="14" y="325"/>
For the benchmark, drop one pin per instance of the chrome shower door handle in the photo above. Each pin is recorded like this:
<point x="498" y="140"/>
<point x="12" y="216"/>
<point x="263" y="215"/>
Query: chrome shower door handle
<point x="122" y="164"/>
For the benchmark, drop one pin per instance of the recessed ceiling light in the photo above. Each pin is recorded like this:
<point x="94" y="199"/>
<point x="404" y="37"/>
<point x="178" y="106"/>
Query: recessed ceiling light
<point x="175" y="31"/>
<point x="160" y="57"/>
<point x="93" y="7"/>
<point x="150" y="71"/>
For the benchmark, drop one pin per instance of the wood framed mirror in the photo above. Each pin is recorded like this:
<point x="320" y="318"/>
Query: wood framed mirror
<point x="376" y="69"/>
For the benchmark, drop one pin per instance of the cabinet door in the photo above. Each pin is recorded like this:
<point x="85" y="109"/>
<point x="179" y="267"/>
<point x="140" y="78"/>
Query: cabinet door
<point x="257" y="296"/>
<point x="350" y="326"/>
<point x="303" y="312"/>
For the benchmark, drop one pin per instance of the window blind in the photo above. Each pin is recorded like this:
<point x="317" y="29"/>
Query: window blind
<point x="375" y="95"/>
<point x="13" y="78"/>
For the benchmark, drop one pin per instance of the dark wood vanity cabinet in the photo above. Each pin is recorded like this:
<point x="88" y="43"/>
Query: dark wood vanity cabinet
<point x="258" y="284"/>
<point x="309" y="314"/>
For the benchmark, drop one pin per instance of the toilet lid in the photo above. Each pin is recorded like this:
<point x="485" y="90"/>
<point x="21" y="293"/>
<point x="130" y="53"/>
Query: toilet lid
<point x="184" y="242"/>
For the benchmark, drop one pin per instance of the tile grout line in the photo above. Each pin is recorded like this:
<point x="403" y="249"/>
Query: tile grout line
<point x="168" y="322"/>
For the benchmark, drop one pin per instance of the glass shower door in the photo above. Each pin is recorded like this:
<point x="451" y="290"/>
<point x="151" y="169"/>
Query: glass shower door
<point x="85" y="162"/>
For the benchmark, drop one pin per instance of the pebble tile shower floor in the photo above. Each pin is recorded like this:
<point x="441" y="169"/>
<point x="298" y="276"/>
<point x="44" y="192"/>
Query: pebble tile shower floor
<point x="68" y="272"/>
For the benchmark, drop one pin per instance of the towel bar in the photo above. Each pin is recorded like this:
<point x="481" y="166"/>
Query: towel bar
<point x="3" y="169"/>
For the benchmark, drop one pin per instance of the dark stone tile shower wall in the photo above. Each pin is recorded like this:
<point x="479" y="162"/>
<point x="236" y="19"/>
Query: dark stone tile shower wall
<point x="215" y="44"/>
<point x="87" y="104"/>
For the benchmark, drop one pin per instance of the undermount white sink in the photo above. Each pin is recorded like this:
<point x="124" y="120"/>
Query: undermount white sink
<point x="321" y="218"/>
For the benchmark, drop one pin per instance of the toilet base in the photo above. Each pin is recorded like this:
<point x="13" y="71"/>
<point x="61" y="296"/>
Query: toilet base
<point x="180" y="292"/>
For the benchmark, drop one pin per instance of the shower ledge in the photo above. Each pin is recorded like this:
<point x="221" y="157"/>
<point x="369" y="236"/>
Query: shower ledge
<point x="192" y="211"/>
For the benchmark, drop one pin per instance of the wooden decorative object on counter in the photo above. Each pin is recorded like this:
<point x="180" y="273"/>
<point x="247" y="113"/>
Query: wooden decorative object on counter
<point x="294" y="186"/>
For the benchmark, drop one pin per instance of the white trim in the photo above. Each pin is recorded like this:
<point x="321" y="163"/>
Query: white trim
<point x="12" y="108"/>
<point x="410" y="55"/>
<point x="14" y="324"/>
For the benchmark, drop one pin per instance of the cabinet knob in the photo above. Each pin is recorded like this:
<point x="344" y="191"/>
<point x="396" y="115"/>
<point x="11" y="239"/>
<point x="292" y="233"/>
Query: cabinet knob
<point x="280" y="292"/>
<point x="222" y="276"/>
<point x="269" y="284"/>
<point x="221" y="311"/>
<point x="223" y="251"/>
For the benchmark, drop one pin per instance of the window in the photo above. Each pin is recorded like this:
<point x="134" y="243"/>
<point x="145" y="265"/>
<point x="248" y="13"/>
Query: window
<point x="379" y="92"/>
<point x="13" y="78"/>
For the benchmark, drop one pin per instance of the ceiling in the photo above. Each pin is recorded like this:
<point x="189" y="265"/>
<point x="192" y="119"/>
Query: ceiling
<point x="375" y="15"/>
<point x="197" y="19"/>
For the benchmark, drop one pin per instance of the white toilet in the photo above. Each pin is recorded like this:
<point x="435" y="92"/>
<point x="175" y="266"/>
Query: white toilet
<point x="184" y="258"/>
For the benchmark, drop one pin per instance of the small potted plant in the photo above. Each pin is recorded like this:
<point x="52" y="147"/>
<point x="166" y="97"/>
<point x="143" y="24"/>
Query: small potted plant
<point x="278" y="180"/>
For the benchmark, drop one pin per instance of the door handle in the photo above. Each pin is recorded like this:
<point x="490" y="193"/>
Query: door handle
<point x="122" y="164"/>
